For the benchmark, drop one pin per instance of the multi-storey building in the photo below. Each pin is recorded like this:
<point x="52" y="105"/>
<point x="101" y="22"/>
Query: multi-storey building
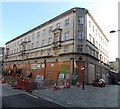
<point x="1" y="58"/>
<point x="61" y="46"/>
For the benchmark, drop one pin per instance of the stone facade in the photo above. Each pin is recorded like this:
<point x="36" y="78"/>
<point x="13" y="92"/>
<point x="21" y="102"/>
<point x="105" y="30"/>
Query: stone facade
<point x="62" y="45"/>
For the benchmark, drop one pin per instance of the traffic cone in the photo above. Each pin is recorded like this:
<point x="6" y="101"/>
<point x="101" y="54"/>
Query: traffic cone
<point x="3" y="80"/>
<point x="67" y="85"/>
<point x="55" y="86"/>
<point x="78" y="84"/>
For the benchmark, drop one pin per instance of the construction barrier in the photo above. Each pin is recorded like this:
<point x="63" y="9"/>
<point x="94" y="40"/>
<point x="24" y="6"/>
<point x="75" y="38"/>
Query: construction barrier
<point x="25" y="84"/>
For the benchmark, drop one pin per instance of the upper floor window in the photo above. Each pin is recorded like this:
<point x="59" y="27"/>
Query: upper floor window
<point x="80" y="20"/>
<point x="93" y="29"/>
<point x="66" y="22"/>
<point x="80" y="34"/>
<point x="38" y="34"/>
<point x="44" y="32"/>
<point x="28" y="46"/>
<point x="33" y="36"/>
<point x="56" y="38"/>
<point x="50" y="40"/>
<point x="43" y="42"/>
<point x="50" y="29"/>
<point x="29" y="38"/>
<point x="21" y="40"/>
<point x="58" y="25"/>
<point x="37" y="44"/>
<point x="89" y="24"/>
<point x="66" y="36"/>
<point x="25" y="39"/>
<point x="96" y="32"/>
<point x="32" y="45"/>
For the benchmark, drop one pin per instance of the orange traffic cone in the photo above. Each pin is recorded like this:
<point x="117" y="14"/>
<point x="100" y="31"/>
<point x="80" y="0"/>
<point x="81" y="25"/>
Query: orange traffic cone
<point x="55" y="86"/>
<point x="3" y="80"/>
<point x="67" y="85"/>
<point x="78" y="84"/>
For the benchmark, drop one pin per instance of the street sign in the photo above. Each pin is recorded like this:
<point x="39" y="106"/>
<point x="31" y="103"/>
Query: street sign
<point x="82" y="68"/>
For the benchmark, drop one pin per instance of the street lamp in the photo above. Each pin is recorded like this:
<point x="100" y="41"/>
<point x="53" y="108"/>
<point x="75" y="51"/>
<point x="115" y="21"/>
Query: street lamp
<point x="113" y="31"/>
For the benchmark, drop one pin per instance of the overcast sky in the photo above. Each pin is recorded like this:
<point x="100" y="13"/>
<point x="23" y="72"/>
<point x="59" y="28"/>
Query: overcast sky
<point x="23" y="15"/>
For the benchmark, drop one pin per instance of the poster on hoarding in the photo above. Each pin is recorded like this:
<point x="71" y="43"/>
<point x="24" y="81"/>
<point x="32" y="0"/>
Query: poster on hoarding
<point x="61" y="76"/>
<point x="39" y="78"/>
<point x="35" y="66"/>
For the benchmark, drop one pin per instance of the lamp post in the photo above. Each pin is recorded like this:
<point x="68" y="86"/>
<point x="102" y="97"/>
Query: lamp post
<point x="113" y="31"/>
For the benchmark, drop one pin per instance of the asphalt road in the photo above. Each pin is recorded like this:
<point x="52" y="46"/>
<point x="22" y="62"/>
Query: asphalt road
<point x="14" y="98"/>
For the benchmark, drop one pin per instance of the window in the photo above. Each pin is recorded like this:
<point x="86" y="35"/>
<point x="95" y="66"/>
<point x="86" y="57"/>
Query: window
<point x="38" y="34"/>
<point x="32" y="45"/>
<point x="28" y="38"/>
<point x="90" y="37"/>
<point x="21" y="40"/>
<point x="28" y="46"/>
<point x="49" y="51"/>
<point x="79" y="48"/>
<point x="58" y="25"/>
<point x="96" y="32"/>
<point x="88" y="49"/>
<point x="97" y="44"/>
<point x="50" y="40"/>
<point x="66" y="36"/>
<point x="80" y="35"/>
<point x="80" y="20"/>
<point x="37" y="44"/>
<point x="89" y="24"/>
<point x="93" y="28"/>
<point x="65" y="49"/>
<point x="94" y="41"/>
<point x="43" y="42"/>
<point x="33" y="36"/>
<point x="50" y="29"/>
<point x="66" y="22"/>
<point x="25" y="39"/>
<point x="56" y="38"/>
<point x="44" y="32"/>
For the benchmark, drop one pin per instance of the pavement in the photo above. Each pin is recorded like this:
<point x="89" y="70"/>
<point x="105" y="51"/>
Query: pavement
<point x="77" y="97"/>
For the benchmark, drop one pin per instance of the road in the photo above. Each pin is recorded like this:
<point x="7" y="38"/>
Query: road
<point x="20" y="98"/>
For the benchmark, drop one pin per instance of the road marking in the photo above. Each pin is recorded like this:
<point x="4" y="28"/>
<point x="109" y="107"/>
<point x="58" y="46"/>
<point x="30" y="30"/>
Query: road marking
<point x="11" y="94"/>
<point x="30" y="95"/>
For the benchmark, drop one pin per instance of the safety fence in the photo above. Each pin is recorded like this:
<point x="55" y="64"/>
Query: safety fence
<point x="31" y="84"/>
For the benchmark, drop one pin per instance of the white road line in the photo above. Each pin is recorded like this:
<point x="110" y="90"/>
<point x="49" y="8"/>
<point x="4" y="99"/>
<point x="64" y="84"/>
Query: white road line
<point x="12" y="94"/>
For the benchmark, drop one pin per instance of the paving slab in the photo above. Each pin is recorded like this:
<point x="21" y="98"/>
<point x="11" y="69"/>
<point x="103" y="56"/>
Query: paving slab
<point x="76" y="97"/>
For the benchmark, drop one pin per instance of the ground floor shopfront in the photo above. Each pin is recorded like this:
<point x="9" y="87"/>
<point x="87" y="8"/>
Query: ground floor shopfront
<point x="61" y="67"/>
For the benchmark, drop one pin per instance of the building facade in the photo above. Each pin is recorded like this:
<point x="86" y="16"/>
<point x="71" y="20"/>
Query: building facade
<point x="1" y="58"/>
<point x="61" y="46"/>
<point x="115" y="71"/>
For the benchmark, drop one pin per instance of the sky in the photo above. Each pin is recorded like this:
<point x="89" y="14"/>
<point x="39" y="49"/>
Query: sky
<point x="23" y="15"/>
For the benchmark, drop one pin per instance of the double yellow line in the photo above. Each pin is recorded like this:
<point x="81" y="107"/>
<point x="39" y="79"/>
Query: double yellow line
<point x="30" y="95"/>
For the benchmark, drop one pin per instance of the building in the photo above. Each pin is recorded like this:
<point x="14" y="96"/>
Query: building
<point x="61" y="46"/>
<point x="115" y="71"/>
<point x="1" y="58"/>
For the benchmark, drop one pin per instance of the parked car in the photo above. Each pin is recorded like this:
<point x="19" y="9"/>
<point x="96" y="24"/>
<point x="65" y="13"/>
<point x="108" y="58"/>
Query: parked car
<point x="99" y="82"/>
<point x="118" y="82"/>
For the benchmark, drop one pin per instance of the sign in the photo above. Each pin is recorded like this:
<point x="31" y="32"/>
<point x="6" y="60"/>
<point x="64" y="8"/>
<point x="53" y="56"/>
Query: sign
<point x="61" y="76"/>
<point x="39" y="78"/>
<point x="67" y="76"/>
<point x="35" y="66"/>
<point x="82" y="68"/>
<point x="63" y="70"/>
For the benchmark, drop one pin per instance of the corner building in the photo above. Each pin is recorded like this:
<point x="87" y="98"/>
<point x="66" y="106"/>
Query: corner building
<point x="62" y="45"/>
